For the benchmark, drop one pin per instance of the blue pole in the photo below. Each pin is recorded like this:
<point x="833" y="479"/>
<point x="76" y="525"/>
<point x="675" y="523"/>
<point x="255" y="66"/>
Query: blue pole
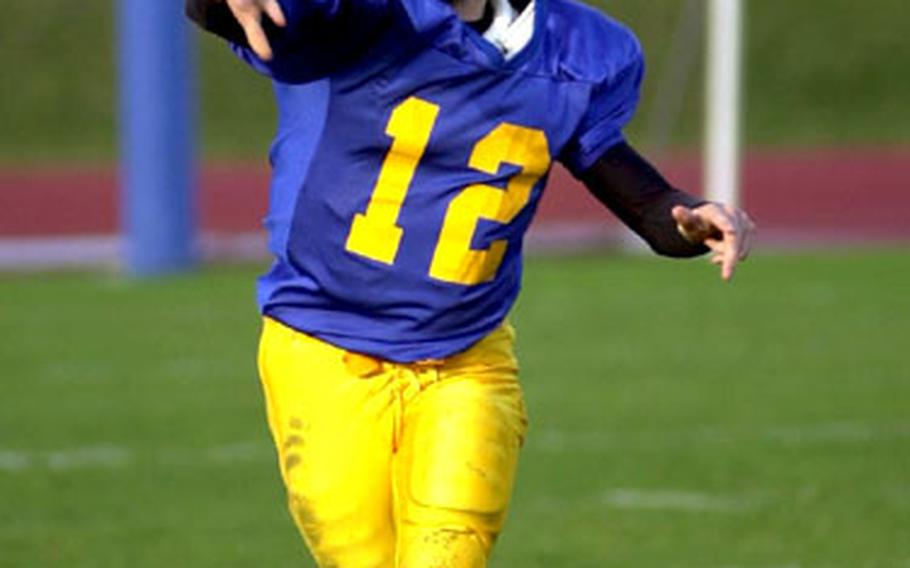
<point x="157" y="131"/>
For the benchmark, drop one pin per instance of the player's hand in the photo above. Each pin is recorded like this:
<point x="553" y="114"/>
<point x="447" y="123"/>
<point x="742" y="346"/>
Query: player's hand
<point x="249" y="14"/>
<point x="726" y="230"/>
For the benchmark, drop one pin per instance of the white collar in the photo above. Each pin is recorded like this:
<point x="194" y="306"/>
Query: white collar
<point x="510" y="31"/>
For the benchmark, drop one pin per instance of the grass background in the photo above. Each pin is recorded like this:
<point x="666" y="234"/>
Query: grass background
<point x="818" y="73"/>
<point x="677" y="421"/>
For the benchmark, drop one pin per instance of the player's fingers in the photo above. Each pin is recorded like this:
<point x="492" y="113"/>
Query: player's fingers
<point x="730" y="255"/>
<point x="746" y="247"/>
<point x="681" y="213"/>
<point x="743" y="227"/>
<point x="716" y="245"/>
<point x="273" y="10"/>
<point x="689" y="224"/>
<point x="689" y="219"/>
<point x="243" y="8"/>
<point x="724" y="254"/>
<point x="748" y="237"/>
<point x="248" y="14"/>
<point x="719" y="218"/>
<point x="730" y="238"/>
<point x="259" y="42"/>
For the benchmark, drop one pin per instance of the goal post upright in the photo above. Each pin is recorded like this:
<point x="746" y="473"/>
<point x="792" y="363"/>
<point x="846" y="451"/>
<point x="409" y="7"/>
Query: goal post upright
<point x="157" y="137"/>
<point x="723" y="112"/>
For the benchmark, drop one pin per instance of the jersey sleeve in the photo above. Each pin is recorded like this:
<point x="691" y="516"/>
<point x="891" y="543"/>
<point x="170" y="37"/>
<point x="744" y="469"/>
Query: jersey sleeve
<point x="612" y="104"/>
<point x="320" y="35"/>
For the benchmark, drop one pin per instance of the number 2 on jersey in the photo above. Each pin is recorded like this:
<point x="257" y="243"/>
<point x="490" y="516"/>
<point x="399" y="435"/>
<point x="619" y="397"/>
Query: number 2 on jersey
<point x="375" y="234"/>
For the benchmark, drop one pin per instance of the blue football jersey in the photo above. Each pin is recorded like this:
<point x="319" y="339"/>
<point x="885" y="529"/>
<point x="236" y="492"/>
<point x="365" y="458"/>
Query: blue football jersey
<point x="410" y="158"/>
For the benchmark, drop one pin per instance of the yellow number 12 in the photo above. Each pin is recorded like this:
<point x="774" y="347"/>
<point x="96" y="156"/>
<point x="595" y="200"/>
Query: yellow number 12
<point x="375" y="234"/>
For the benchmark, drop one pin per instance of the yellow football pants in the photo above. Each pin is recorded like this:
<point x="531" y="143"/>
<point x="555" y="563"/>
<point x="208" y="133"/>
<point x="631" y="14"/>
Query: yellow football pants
<point x="394" y="465"/>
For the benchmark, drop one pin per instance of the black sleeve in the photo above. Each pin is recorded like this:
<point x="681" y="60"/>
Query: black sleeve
<point x="635" y="191"/>
<point x="214" y="16"/>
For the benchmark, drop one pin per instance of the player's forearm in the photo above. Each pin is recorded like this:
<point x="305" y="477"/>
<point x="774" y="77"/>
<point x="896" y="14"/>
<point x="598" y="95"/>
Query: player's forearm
<point x="636" y="192"/>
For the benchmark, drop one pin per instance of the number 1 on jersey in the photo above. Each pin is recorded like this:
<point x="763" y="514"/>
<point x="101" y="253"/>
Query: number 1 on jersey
<point x="375" y="233"/>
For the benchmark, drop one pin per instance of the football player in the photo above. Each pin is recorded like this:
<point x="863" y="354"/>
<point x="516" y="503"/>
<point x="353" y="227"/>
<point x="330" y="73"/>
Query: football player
<point x="414" y="140"/>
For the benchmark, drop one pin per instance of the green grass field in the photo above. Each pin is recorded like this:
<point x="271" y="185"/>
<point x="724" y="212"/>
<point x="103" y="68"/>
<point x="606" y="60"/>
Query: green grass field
<point x="677" y="422"/>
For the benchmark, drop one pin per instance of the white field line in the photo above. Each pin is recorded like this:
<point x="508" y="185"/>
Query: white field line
<point x="661" y="499"/>
<point x="41" y="253"/>
<point x="249" y="452"/>
<point x="792" y="565"/>
<point x="23" y="254"/>
<point x="13" y="461"/>
<point x="111" y="457"/>
<point x="104" y="456"/>
<point x="553" y="440"/>
<point x="675" y="500"/>
<point x="545" y="441"/>
<point x="77" y="251"/>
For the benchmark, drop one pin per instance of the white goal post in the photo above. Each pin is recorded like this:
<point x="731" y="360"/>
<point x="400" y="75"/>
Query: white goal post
<point x="723" y="101"/>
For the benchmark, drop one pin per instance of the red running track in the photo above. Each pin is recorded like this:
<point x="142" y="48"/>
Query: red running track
<point x="810" y="195"/>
